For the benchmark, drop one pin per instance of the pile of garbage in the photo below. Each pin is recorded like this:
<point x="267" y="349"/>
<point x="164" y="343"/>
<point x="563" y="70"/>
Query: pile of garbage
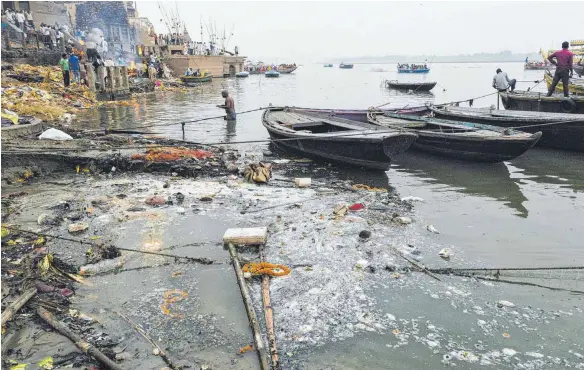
<point x="48" y="100"/>
<point x="172" y="154"/>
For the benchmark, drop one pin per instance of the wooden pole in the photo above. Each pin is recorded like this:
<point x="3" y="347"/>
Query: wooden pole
<point x="83" y="345"/>
<point x="17" y="304"/>
<point x="269" y="315"/>
<point x="498" y="98"/>
<point x="251" y="315"/>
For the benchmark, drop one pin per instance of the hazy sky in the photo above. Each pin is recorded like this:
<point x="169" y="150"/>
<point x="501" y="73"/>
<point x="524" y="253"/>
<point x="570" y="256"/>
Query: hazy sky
<point x="318" y="31"/>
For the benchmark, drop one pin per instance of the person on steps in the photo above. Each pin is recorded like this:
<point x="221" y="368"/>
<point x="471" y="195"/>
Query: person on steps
<point x="564" y="60"/>
<point x="501" y="81"/>
<point x="64" y="64"/>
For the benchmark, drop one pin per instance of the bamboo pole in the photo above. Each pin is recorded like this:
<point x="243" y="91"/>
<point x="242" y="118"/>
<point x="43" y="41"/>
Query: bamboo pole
<point x="83" y="345"/>
<point x="251" y="315"/>
<point x="269" y="315"/>
<point x="17" y="304"/>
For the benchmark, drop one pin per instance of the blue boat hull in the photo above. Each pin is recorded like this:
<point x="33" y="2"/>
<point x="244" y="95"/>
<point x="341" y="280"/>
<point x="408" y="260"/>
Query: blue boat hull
<point x="413" y="70"/>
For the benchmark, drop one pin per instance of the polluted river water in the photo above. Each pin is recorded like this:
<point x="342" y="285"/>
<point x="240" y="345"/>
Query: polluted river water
<point x="348" y="303"/>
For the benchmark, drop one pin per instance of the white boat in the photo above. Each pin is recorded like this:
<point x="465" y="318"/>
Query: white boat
<point x="242" y="74"/>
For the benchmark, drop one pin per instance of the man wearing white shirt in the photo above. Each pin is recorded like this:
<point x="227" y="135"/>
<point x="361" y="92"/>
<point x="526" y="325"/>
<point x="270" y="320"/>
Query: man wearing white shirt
<point x="20" y="19"/>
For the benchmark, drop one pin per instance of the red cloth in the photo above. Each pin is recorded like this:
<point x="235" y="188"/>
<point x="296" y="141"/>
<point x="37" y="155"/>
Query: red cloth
<point x="564" y="59"/>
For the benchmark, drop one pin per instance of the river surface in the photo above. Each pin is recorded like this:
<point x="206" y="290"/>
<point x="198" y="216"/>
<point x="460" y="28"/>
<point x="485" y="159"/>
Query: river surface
<point x="522" y="213"/>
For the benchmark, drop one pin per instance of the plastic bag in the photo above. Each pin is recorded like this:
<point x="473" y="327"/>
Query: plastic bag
<point x="54" y="134"/>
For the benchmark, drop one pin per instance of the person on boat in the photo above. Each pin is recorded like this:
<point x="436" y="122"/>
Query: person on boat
<point x="229" y="106"/>
<point x="501" y="81"/>
<point x="189" y="72"/>
<point x="564" y="60"/>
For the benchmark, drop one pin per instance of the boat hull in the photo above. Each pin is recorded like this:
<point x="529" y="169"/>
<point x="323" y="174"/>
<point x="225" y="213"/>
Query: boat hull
<point x="272" y="74"/>
<point x="468" y="146"/>
<point x="346" y="66"/>
<point x="287" y="71"/>
<point x="540" y="103"/>
<point x="566" y="136"/>
<point x="424" y="86"/>
<point x="573" y="88"/>
<point x="473" y="150"/>
<point x="196" y="80"/>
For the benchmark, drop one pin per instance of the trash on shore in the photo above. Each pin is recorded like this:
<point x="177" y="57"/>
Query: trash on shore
<point x="78" y="227"/>
<point x="172" y="154"/>
<point x="54" y="134"/>
<point x="412" y="199"/>
<point x="402" y="220"/>
<point x="102" y="266"/>
<point x="445" y="253"/>
<point x="303" y="182"/>
<point x="259" y="173"/>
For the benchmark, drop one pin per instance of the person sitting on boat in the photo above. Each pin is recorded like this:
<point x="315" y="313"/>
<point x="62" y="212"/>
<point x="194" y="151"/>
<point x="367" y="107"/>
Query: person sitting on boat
<point x="189" y="72"/>
<point x="198" y="72"/>
<point x="564" y="68"/>
<point x="501" y="81"/>
<point x="229" y="106"/>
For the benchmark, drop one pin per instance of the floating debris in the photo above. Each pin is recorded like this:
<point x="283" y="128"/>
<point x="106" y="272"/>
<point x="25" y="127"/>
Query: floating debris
<point x="432" y="229"/>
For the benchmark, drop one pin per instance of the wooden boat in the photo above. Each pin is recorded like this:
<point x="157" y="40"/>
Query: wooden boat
<point x="537" y="66"/>
<point x="335" y="139"/>
<point x="346" y="66"/>
<point x="568" y="135"/>
<point x="414" y="86"/>
<point x="196" y="79"/>
<point x="285" y="70"/>
<point x="461" y="140"/>
<point x="242" y="74"/>
<point x="539" y="102"/>
<point x="359" y="115"/>
<point x="576" y="85"/>
<point x="329" y="65"/>
<point x="272" y="73"/>
<point x="409" y="70"/>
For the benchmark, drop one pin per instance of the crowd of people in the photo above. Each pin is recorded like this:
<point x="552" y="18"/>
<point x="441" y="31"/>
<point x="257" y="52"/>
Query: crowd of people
<point x="412" y="66"/>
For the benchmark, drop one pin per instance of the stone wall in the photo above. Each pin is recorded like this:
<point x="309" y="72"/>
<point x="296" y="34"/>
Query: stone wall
<point x="49" y="12"/>
<point x="35" y="57"/>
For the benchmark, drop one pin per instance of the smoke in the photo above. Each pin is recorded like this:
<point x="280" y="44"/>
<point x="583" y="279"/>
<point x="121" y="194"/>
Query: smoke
<point x="94" y="38"/>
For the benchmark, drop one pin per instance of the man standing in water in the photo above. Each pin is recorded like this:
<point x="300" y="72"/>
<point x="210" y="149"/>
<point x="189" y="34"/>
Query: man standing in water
<point x="564" y="68"/>
<point x="229" y="106"/>
<point x="501" y="81"/>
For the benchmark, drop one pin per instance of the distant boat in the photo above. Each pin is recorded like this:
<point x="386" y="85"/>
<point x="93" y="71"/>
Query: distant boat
<point x="196" y="79"/>
<point x="346" y="66"/>
<point x="242" y="74"/>
<point x="335" y="139"/>
<point x="286" y="69"/>
<point x="272" y="73"/>
<point x="329" y="65"/>
<point x="460" y="140"/>
<point x="414" y="86"/>
<point x="406" y="68"/>
<point x="538" y="66"/>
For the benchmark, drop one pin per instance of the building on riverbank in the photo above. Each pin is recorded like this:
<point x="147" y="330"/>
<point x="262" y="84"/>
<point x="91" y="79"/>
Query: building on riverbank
<point x="217" y="65"/>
